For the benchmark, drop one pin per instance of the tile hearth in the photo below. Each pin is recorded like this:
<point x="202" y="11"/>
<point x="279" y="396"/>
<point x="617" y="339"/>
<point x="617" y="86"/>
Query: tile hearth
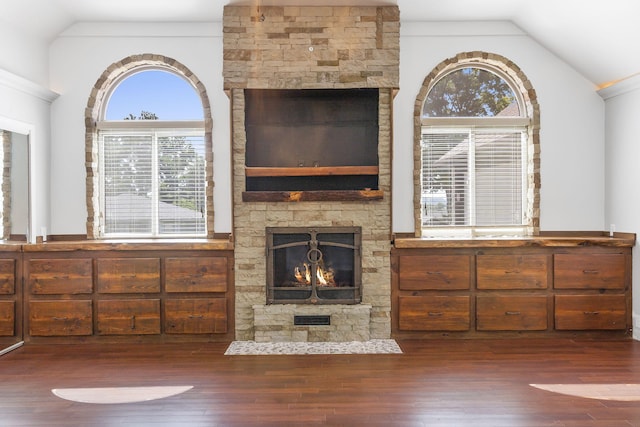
<point x="383" y="346"/>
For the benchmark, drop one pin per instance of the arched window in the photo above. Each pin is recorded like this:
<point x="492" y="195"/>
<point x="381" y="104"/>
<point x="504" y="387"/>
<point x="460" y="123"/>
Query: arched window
<point x="476" y="152"/>
<point x="151" y="173"/>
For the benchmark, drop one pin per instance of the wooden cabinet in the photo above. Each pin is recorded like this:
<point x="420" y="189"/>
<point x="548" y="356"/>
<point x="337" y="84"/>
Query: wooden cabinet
<point x="434" y="313"/>
<point x="433" y="272"/>
<point x="511" y="313"/>
<point x="195" y="316"/>
<point x="60" y="318"/>
<point x="147" y="292"/>
<point x="545" y="287"/>
<point x="201" y="274"/>
<point x="11" y="296"/>
<point x="60" y="276"/>
<point x="128" y="275"/>
<point x="8" y="303"/>
<point x="129" y="317"/>
<point x="7" y="318"/>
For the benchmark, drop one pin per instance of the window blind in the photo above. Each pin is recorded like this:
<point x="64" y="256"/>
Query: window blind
<point x="153" y="183"/>
<point x="473" y="177"/>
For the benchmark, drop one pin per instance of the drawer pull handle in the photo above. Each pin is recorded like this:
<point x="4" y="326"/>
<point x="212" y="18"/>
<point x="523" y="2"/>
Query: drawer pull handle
<point x="133" y="322"/>
<point x="435" y="313"/>
<point x="438" y="273"/>
<point x="66" y="277"/>
<point x="196" y="316"/>
<point x="128" y="276"/>
<point x="60" y="318"/>
<point x="590" y="271"/>
<point x="512" y="271"/>
<point x="512" y="313"/>
<point x="591" y="313"/>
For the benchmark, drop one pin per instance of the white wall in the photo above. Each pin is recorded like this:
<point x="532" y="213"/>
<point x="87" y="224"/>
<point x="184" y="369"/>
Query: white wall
<point x="24" y="55"/>
<point x="79" y="57"/>
<point x="572" y="126"/>
<point x="623" y="172"/>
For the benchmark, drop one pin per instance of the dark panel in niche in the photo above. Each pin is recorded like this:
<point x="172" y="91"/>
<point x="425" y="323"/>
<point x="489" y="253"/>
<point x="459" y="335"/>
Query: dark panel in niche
<point x="311" y="127"/>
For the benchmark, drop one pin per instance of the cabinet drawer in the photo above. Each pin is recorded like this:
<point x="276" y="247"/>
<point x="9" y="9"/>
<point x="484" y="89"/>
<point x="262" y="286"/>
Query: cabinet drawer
<point x="60" y="276"/>
<point x="7" y="318"/>
<point x="511" y="271"/>
<point x="433" y="272"/>
<point x="511" y="313"/>
<point x="128" y="275"/>
<point x="60" y="318"/>
<point x="7" y="276"/>
<point x="129" y="317"/>
<point x="195" y="316"/>
<point x="196" y="274"/>
<point x="434" y="313"/>
<point x="591" y="271"/>
<point x="580" y="312"/>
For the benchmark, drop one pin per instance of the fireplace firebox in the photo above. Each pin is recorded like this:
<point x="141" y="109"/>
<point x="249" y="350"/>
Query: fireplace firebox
<point x="314" y="265"/>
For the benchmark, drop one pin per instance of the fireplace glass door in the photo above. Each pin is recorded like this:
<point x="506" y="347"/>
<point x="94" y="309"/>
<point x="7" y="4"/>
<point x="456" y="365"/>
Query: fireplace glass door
<point x="315" y="265"/>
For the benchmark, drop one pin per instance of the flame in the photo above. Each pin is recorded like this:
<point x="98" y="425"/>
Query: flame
<point x="323" y="277"/>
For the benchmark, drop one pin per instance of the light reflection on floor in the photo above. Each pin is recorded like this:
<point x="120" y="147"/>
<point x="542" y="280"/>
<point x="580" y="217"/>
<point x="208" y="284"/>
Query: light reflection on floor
<point x="621" y="392"/>
<point x="109" y="395"/>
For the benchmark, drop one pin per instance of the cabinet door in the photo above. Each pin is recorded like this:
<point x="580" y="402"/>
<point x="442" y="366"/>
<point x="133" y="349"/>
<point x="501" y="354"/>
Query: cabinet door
<point x="512" y="271"/>
<point x="129" y="317"/>
<point x="7" y="318"/>
<point x="60" y="276"/>
<point x="7" y="276"/>
<point x="434" y="313"/>
<point x="128" y="275"/>
<point x="511" y="313"/>
<point x="434" y="272"/>
<point x="196" y="274"/>
<point x="582" y="312"/>
<point x="60" y="318"/>
<point x="196" y="316"/>
<point x="589" y="271"/>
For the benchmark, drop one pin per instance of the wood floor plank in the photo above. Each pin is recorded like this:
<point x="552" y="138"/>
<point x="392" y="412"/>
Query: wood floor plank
<point x="480" y="383"/>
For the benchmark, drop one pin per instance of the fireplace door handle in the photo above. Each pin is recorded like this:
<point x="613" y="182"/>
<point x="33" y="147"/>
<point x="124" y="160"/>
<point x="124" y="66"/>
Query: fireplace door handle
<point x="316" y="252"/>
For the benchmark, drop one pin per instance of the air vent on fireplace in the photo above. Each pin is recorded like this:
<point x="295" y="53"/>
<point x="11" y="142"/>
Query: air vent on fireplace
<point x="319" y="320"/>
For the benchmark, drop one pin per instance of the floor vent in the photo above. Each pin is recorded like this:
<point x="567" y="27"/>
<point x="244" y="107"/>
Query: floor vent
<point x="312" y="320"/>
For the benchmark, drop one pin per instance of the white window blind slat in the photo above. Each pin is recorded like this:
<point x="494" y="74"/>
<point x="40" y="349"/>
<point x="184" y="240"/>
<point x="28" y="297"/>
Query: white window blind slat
<point x="472" y="177"/>
<point x="153" y="183"/>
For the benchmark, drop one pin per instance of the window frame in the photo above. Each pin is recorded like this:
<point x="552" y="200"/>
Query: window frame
<point x="95" y="123"/>
<point x="529" y="117"/>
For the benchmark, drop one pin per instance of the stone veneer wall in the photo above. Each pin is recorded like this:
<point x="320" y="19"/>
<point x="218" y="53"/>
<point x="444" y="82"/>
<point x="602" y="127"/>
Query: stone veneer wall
<point x="311" y="47"/>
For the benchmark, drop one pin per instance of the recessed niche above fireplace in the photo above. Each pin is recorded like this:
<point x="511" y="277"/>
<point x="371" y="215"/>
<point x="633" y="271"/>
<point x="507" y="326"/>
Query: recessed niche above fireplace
<point x="319" y="144"/>
<point x="314" y="265"/>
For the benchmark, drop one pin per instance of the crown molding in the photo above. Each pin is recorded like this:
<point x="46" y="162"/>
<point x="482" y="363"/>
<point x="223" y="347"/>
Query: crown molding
<point x="16" y="82"/>
<point x="621" y="87"/>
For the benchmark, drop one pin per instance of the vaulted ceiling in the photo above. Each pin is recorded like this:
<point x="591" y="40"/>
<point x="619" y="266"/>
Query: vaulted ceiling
<point x="598" y="38"/>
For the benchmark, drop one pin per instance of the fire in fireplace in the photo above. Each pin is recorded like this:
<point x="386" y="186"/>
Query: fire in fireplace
<point x="314" y="265"/>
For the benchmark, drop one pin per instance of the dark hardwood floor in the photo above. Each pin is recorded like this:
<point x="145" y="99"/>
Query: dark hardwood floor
<point x="434" y="383"/>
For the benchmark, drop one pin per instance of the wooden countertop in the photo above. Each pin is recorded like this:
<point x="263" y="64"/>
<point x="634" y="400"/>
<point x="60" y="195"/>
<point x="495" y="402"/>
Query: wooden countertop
<point x="128" y="245"/>
<point x="544" y="239"/>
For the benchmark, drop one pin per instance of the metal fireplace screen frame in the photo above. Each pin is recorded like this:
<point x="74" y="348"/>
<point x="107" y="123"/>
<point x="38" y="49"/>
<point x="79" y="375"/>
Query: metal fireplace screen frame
<point x="314" y="265"/>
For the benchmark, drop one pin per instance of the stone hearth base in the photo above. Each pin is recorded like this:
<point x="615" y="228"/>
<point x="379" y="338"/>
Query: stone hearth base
<point x="275" y="323"/>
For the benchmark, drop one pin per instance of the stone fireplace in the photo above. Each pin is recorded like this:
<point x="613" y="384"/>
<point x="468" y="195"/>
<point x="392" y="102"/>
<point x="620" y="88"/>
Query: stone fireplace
<point x="312" y="171"/>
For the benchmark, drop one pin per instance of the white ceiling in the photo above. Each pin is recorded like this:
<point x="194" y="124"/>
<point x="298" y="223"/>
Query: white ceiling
<point x="599" y="38"/>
